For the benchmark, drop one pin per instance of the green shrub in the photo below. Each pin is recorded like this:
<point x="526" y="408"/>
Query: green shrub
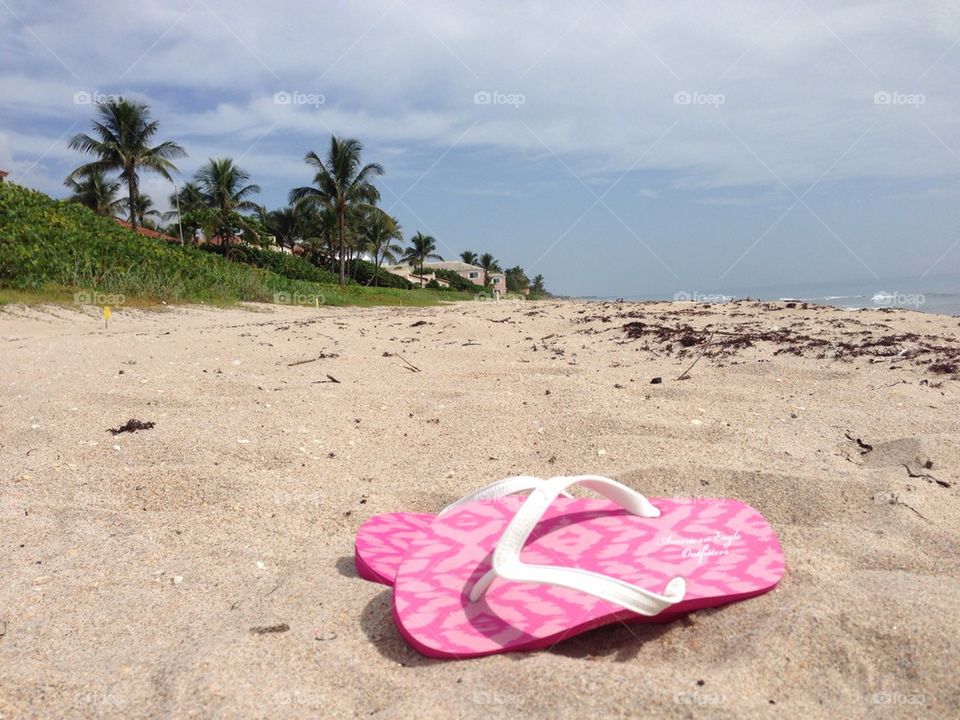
<point x="363" y="271"/>
<point x="457" y="281"/>
<point x="291" y="266"/>
<point x="47" y="243"/>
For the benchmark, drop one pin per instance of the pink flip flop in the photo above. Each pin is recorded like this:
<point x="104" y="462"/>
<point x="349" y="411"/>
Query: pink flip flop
<point x="514" y="574"/>
<point x="382" y="541"/>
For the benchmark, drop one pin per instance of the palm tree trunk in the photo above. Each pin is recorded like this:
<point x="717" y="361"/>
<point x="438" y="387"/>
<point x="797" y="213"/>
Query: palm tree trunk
<point x="421" y="273"/>
<point x="378" y="258"/>
<point x="132" y="200"/>
<point x="343" y="266"/>
<point x="370" y="281"/>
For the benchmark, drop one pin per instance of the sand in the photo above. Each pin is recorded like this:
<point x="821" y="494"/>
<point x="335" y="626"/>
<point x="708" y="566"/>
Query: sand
<point x="138" y="568"/>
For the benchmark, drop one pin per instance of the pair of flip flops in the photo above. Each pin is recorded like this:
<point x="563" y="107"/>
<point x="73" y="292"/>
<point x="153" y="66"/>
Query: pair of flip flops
<point x="495" y="572"/>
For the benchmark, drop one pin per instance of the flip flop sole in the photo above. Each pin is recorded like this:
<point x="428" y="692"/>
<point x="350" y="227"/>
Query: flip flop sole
<point x="383" y="541"/>
<point x="725" y="550"/>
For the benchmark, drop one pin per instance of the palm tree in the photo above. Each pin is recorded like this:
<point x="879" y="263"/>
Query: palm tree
<point x="182" y="203"/>
<point x="224" y="189"/>
<point x="222" y="186"/>
<point x="341" y="183"/>
<point x="490" y="265"/>
<point x="469" y="257"/>
<point x="378" y="232"/>
<point x="187" y="208"/>
<point x="536" y="286"/>
<point x="286" y="224"/>
<point x="143" y="207"/>
<point x="187" y="198"/>
<point x="96" y="191"/>
<point x="121" y="141"/>
<point x="355" y="240"/>
<point x="421" y="249"/>
<point x="516" y="279"/>
<point x="319" y="235"/>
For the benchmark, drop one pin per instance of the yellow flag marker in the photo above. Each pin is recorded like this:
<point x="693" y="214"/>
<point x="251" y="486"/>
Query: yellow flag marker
<point x="106" y="316"/>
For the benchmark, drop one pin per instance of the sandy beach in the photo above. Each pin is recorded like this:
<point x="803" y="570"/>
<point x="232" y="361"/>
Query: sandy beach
<point x="204" y="567"/>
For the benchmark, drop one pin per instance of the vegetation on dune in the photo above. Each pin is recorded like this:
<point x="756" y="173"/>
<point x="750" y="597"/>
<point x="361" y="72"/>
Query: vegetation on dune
<point x="51" y="249"/>
<point x="46" y="243"/>
<point x="331" y="231"/>
<point x="290" y="266"/>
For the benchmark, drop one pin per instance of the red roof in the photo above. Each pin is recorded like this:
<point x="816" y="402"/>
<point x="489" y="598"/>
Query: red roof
<point x="146" y="232"/>
<point x="3" y="173"/>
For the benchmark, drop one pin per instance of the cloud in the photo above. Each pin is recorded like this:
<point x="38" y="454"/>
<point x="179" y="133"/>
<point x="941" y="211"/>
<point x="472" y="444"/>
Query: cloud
<point x="732" y="102"/>
<point x="599" y="80"/>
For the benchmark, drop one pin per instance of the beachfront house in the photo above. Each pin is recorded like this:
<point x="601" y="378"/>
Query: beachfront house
<point x="473" y="273"/>
<point x="3" y="174"/>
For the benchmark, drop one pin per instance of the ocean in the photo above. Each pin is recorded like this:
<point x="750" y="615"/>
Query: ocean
<point x="933" y="294"/>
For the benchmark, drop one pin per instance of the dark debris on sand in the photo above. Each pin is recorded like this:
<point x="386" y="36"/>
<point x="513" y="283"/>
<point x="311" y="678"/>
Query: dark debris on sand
<point x="669" y="332"/>
<point x="269" y="629"/>
<point x="132" y="425"/>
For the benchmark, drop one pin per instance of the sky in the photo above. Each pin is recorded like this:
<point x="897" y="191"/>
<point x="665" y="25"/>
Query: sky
<point x="619" y="148"/>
